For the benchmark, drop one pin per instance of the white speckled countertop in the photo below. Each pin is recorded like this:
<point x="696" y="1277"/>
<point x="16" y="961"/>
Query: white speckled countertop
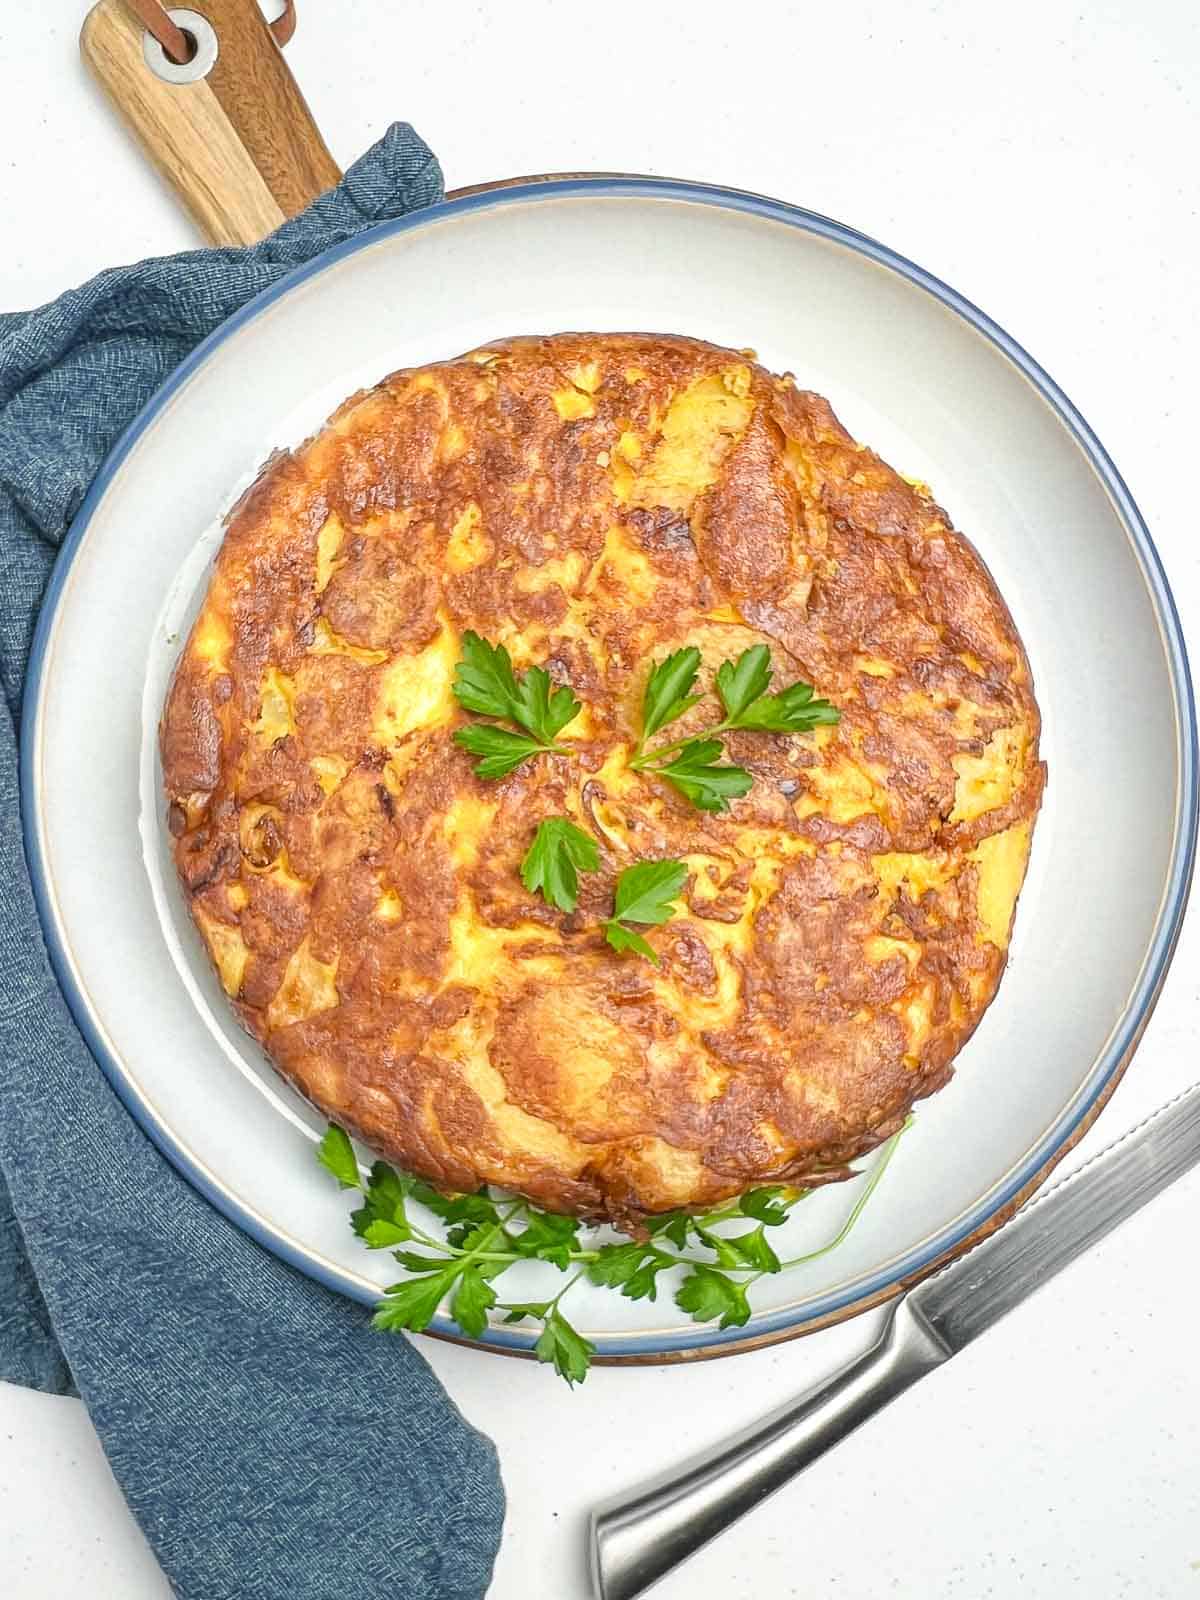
<point x="1040" y="157"/>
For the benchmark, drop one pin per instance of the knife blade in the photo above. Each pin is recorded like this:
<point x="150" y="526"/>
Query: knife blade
<point x="966" y="1298"/>
<point x="638" y="1538"/>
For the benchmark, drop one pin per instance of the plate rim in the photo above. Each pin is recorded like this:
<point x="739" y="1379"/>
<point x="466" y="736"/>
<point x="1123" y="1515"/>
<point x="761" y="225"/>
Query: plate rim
<point x="769" y="1327"/>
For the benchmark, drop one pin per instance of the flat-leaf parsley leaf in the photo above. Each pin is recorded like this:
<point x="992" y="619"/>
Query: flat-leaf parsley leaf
<point x="570" y="1352"/>
<point x="413" y="1304"/>
<point x="559" y="852"/>
<point x="644" y="894"/>
<point x="500" y="750"/>
<point x="337" y="1154"/>
<point x="742" y="686"/>
<point x="632" y="1268"/>
<point x="700" y="778"/>
<point x="707" y="1295"/>
<point x="486" y="684"/>
<point x="547" y="1237"/>
<point x="669" y="691"/>
<point x="741" y="682"/>
<point x="473" y="1299"/>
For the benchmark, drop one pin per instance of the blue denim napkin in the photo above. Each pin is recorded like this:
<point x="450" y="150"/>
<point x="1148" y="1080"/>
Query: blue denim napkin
<point x="267" y="1441"/>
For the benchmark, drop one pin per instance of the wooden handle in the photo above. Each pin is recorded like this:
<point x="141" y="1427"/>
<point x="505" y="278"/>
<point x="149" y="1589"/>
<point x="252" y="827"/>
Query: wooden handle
<point x="238" y="144"/>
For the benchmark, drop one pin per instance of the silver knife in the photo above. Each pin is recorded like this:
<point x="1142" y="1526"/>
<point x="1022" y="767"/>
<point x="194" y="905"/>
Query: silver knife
<point x="637" y="1539"/>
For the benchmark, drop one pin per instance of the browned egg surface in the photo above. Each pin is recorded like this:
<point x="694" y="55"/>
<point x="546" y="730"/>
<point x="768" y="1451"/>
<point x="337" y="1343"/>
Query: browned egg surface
<point x="594" y="501"/>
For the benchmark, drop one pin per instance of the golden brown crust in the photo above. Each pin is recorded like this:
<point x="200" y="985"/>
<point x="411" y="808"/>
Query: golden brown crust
<point x="595" y="501"/>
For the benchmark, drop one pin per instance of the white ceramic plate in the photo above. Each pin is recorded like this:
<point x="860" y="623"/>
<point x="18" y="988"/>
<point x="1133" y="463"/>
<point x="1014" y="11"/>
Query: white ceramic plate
<point x="922" y="376"/>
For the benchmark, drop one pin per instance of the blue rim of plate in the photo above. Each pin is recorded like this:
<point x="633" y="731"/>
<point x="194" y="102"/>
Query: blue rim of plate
<point x="765" y="1326"/>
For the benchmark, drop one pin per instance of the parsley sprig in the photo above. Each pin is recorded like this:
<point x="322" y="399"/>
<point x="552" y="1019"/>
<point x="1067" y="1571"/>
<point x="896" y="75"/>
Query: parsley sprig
<point x="691" y="765"/>
<point x="483" y="1235"/>
<point x="486" y="684"/>
<point x="699" y="776"/>
<point x="559" y="853"/>
<point x="645" y="893"/>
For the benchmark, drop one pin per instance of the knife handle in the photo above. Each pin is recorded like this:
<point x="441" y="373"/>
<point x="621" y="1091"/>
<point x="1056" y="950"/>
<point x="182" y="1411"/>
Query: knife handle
<point x="637" y="1539"/>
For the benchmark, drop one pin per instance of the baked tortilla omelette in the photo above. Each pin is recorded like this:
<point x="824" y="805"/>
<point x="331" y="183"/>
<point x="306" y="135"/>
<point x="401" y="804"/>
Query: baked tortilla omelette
<point x="594" y="502"/>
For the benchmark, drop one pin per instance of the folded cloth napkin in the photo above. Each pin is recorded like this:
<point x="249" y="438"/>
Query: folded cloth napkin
<point x="269" y="1443"/>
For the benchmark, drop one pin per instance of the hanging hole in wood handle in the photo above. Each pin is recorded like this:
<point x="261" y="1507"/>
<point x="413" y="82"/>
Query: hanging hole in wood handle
<point x="176" y="45"/>
<point x="200" y="45"/>
<point x="237" y="141"/>
<point x="179" y="45"/>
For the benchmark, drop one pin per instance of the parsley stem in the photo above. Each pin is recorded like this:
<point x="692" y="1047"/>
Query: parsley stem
<point x="840" y="1236"/>
<point x="732" y="1211"/>
<point x="570" y="1284"/>
<point x="479" y="1253"/>
<point x="643" y="759"/>
<point x="476" y="1253"/>
<point x="422" y="1237"/>
<point x="509" y="1255"/>
<point x="727" y="1213"/>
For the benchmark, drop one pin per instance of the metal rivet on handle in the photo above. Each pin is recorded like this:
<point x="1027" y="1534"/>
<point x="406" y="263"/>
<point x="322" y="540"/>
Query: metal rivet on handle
<point x="201" y="31"/>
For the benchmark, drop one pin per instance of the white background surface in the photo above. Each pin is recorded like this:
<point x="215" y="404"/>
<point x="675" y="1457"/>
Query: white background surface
<point x="1041" y="158"/>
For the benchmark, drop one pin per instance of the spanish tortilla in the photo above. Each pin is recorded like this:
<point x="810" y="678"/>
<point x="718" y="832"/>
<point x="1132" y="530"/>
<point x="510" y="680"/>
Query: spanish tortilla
<point x="594" y="501"/>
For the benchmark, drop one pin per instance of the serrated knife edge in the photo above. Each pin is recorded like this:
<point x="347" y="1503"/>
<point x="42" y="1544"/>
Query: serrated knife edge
<point x="1058" y="1225"/>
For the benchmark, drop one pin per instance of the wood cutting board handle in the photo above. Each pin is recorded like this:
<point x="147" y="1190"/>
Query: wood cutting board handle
<point x="239" y="143"/>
